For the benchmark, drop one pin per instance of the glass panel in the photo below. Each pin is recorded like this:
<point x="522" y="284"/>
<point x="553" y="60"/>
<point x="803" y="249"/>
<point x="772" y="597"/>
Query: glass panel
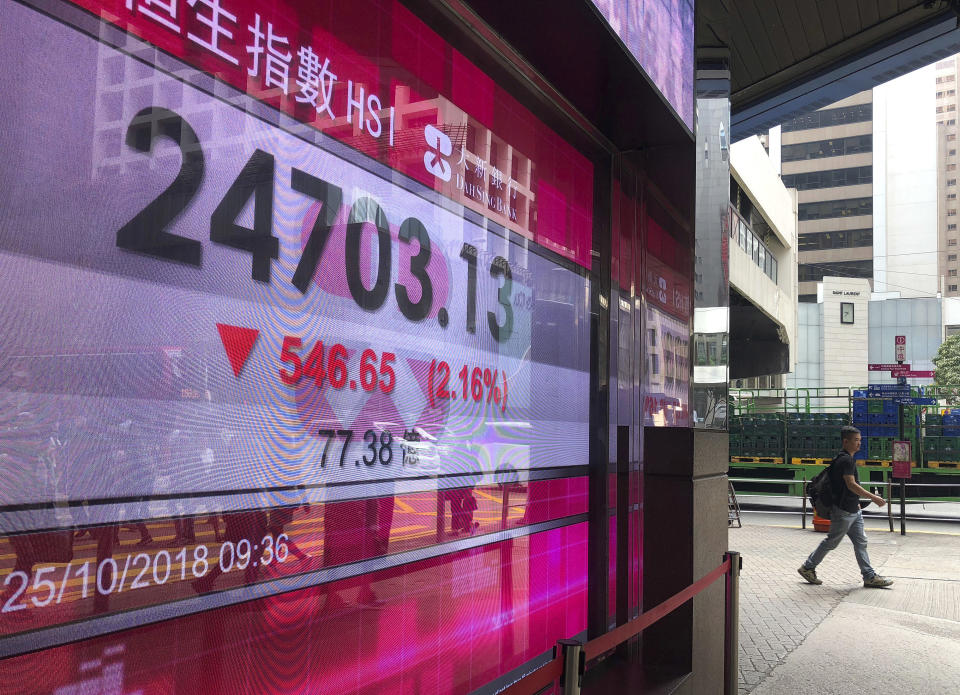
<point x="667" y="285"/>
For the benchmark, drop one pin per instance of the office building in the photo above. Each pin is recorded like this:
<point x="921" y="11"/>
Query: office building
<point x="827" y="155"/>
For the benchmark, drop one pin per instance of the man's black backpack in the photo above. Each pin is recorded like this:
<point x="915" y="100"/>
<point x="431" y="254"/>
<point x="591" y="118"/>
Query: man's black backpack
<point x="821" y="493"/>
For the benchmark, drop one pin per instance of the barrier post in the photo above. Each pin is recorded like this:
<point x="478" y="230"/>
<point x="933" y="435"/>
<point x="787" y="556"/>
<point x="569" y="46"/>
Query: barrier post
<point x="574" y="662"/>
<point x="731" y="642"/>
<point x="890" y="503"/>
<point x="903" y="507"/>
<point x="803" y="474"/>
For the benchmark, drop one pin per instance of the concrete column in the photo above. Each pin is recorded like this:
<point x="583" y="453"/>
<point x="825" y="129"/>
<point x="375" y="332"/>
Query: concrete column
<point x="685" y="529"/>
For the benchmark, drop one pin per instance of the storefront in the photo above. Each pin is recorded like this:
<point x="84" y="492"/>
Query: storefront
<point x="329" y="341"/>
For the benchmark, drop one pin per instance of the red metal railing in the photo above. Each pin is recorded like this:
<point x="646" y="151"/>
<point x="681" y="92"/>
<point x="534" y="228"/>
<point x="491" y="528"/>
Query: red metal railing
<point x="549" y="673"/>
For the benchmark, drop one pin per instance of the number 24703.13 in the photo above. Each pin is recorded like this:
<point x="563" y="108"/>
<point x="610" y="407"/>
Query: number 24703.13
<point x="146" y="232"/>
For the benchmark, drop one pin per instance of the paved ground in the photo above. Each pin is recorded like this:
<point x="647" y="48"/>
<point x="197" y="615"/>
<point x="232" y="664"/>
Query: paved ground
<point x="902" y="640"/>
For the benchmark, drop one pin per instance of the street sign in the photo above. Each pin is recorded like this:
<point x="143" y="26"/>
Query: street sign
<point x="889" y="394"/>
<point x="902" y="456"/>
<point x="886" y="367"/>
<point x="916" y="401"/>
<point x="887" y="387"/>
<point x="913" y="374"/>
<point x="900" y="348"/>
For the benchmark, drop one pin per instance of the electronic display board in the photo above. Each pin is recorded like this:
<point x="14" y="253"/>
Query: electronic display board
<point x="659" y="34"/>
<point x="286" y="304"/>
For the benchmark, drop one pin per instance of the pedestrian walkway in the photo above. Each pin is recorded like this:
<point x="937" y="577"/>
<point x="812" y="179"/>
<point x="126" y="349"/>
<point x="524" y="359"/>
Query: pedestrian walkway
<point x="840" y="637"/>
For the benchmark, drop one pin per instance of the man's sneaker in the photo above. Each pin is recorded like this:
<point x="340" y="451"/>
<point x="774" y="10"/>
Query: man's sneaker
<point x="877" y="582"/>
<point x="809" y="575"/>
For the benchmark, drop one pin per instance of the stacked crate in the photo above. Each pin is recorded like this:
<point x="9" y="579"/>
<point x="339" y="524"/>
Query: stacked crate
<point x="735" y="431"/>
<point x="757" y="434"/>
<point x="814" y="435"/>
<point x="861" y="420"/>
<point x="878" y="420"/>
<point x="941" y="441"/>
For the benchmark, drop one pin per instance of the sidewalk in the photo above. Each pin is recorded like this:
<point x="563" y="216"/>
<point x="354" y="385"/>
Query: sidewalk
<point x="840" y="637"/>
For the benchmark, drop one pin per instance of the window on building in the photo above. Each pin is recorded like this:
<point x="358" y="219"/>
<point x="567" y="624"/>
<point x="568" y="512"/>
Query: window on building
<point x="952" y="121"/>
<point x="952" y="152"/>
<point x="951" y="167"/>
<point x="951" y="182"/>
<point x="951" y="227"/>
<point x="828" y="179"/>
<point x="951" y="137"/>
<point x="951" y="213"/>
<point x="857" y="113"/>
<point x="951" y="257"/>
<point x="951" y="242"/>
<point x="952" y="273"/>
<point x="849" y="238"/>
<point x="815" y="272"/>
<point x="951" y="196"/>
<point x="827" y="148"/>
<point x="953" y="288"/>
<point x="748" y="240"/>
<point x="835" y="208"/>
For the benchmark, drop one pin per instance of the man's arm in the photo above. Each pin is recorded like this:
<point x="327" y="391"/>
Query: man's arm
<point x="855" y="487"/>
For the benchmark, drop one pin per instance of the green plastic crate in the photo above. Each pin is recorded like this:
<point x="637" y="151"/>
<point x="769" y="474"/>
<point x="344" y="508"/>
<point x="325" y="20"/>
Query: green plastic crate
<point x="949" y="449"/>
<point x="886" y="447"/>
<point x="878" y="448"/>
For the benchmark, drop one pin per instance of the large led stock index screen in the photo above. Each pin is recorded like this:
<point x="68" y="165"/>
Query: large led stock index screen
<point x="280" y="292"/>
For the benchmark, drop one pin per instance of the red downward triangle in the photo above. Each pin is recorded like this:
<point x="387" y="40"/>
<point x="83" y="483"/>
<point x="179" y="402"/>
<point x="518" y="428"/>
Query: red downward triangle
<point x="238" y="342"/>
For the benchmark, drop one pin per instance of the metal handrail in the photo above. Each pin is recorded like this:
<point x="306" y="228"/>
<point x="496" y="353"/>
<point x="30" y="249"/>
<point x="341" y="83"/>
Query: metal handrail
<point x="880" y="483"/>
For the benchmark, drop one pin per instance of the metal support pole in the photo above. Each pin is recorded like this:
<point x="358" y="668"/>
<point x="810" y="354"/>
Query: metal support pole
<point x="731" y="642"/>
<point x="573" y="666"/>
<point x="902" y="381"/>
<point x="889" y="501"/>
<point x="903" y="507"/>
<point x="803" y="495"/>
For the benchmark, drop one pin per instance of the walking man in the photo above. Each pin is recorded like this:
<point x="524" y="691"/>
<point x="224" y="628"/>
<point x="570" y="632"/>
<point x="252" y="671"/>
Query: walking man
<point x="845" y="516"/>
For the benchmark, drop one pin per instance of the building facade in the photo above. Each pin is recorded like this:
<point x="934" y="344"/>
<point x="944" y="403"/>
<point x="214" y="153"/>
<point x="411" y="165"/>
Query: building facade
<point x="848" y="329"/>
<point x="763" y="259"/>
<point x="948" y="235"/>
<point x="905" y="185"/>
<point x="827" y="155"/>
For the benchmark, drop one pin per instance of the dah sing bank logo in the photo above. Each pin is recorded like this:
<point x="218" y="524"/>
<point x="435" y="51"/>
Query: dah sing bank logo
<point x="440" y="147"/>
<point x="662" y="290"/>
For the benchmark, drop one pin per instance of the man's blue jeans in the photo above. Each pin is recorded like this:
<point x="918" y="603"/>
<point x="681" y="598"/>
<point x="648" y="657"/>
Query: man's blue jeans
<point x="844" y="524"/>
